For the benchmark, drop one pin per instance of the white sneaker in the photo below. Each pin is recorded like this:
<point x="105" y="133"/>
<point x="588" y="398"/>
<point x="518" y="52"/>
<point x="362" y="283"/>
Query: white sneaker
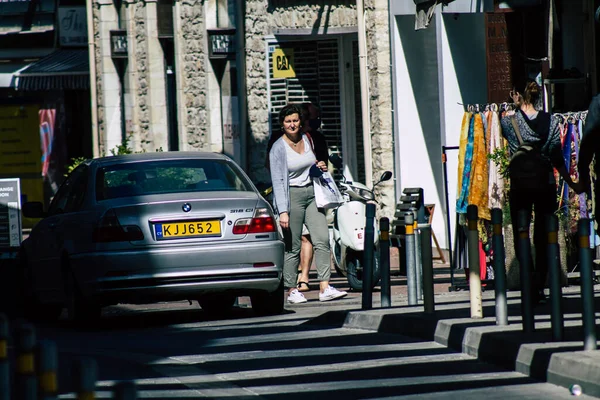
<point x="296" y="297"/>
<point x="331" y="293"/>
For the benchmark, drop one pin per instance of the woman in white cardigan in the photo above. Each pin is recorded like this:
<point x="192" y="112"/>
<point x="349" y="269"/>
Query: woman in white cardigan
<point x="290" y="160"/>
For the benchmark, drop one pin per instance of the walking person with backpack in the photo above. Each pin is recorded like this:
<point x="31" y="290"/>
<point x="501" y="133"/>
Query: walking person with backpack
<point x="534" y="142"/>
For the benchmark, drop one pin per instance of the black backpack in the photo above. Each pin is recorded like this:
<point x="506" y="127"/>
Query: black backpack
<point x="527" y="168"/>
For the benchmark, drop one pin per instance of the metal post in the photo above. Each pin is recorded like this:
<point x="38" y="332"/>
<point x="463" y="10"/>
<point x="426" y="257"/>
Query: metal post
<point x="369" y="257"/>
<point x="26" y="382"/>
<point x="4" y="366"/>
<point x="499" y="268"/>
<point x="125" y="390"/>
<point x="524" y="246"/>
<point x="556" y="317"/>
<point x="85" y="376"/>
<point x="427" y="259"/>
<point x="411" y="269"/>
<point x="47" y="378"/>
<point x="587" y="285"/>
<point x="384" y="261"/>
<point x="418" y="263"/>
<point x="473" y="253"/>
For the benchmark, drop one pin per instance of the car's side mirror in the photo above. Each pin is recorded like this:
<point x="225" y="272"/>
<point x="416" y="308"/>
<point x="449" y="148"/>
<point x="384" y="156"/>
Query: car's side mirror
<point x="33" y="209"/>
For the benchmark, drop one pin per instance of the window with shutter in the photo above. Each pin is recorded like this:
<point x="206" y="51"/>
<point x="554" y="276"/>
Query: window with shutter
<point x="317" y="80"/>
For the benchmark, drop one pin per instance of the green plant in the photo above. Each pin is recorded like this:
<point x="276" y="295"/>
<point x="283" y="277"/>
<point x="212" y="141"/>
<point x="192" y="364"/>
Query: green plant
<point x="122" y="148"/>
<point x="74" y="163"/>
<point x="501" y="158"/>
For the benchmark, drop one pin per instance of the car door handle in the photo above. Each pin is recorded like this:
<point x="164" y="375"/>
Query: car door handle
<point x="53" y="225"/>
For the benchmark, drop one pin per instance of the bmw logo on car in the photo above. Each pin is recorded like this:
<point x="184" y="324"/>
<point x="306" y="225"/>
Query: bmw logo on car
<point x="186" y="207"/>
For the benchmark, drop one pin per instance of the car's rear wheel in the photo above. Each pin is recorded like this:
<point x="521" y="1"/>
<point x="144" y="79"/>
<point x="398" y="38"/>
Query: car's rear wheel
<point x="79" y="309"/>
<point x="217" y="303"/>
<point x="268" y="303"/>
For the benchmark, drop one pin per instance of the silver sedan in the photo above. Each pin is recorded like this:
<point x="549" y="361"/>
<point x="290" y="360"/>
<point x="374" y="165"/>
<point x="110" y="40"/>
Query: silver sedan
<point x="152" y="227"/>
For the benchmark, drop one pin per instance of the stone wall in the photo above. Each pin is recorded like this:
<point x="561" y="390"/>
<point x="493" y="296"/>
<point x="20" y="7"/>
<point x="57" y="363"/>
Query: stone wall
<point x="380" y="98"/>
<point x="99" y="81"/>
<point x="192" y="59"/>
<point x="139" y="73"/>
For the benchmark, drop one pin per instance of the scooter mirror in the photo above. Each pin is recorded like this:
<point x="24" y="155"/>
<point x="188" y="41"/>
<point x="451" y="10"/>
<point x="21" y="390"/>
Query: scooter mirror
<point x="336" y="161"/>
<point x="386" y="176"/>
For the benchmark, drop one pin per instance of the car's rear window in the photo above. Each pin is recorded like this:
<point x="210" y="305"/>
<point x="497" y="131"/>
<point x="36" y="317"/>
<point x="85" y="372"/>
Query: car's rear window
<point x="168" y="176"/>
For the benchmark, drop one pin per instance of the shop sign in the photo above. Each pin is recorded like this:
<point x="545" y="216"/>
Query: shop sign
<point x="118" y="44"/>
<point x="499" y="58"/>
<point x="283" y="63"/>
<point x="221" y="43"/>
<point x="72" y="26"/>
<point x="10" y="212"/>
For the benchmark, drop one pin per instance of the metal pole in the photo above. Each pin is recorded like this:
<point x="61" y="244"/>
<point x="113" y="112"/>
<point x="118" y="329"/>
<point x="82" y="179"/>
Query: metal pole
<point x="26" y="382"/>
<point x="368" y="258"/>
<point x="587" y="285"/>
<point x="411" y="269"/>
<point x="125" y="390"/>
<point x="427" y="259"/>
<point x="85" y="376"/>
<point x="48" y="357"/>
<point x="524" y="255"/>
<point x="418" y="264"/>
<point x="4" y="366"/>
<point x="473" y="252"/>
<point x="499" y="268"/>
<point x="556" y="317"/>
<point x="447" y="201"/>
<point x="384" y="261"/>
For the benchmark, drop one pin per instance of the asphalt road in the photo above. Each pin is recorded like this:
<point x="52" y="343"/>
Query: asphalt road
<point x="176" y="351"/>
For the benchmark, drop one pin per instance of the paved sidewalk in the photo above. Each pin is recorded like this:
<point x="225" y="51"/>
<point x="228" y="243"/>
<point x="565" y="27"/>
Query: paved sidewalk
<point x="536" y="355"/>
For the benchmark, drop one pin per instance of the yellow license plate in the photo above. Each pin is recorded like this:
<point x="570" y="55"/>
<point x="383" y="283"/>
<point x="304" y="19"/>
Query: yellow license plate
<point x="187" y="229"/>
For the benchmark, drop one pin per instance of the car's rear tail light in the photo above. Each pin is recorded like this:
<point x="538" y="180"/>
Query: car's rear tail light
<point x="261" y="222"/>
<point x="109" y="229"/>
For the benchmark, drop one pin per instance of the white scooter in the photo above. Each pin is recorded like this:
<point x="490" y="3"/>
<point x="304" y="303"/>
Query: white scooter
<point x="347" y="238"/>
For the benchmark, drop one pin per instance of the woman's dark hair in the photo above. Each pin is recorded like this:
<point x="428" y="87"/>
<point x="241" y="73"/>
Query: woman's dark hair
<point x="289" y="110"/>
<point x="284" y="112"/>
<point x="532" y="92"/>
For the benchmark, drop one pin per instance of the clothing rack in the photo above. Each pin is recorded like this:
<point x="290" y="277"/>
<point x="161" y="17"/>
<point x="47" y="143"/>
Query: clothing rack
<point x="490" y="106"/>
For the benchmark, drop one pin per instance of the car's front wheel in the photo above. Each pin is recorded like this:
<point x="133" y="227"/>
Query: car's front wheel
<point x="268" y="303"/>
<point x="79" y="309"/>
<point x="28" y="302"/>
<point x="217" y="304"/>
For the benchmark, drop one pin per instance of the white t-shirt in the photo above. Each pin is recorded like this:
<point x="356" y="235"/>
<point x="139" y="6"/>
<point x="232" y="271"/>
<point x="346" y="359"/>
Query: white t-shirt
<point x="299" y="164"/>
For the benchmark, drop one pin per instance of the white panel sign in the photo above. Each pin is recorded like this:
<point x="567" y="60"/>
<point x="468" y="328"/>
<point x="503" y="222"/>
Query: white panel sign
<point x="10" y="213"/>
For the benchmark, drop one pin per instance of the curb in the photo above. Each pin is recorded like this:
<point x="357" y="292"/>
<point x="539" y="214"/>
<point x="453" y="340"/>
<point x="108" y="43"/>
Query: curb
<point x="535" y="355"/>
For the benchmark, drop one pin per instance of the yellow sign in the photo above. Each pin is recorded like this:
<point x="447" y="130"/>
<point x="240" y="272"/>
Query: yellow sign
<point x="20" y="152"/>
<point x="283" y="63"/>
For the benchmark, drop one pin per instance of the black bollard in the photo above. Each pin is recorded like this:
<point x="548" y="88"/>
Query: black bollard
<point x="47" y="371"/>
<point x="473" y="253"/>
<point x="26" y="382"/>
<point x="411" y="268"/>
<point x="384" y="262"/>
<point x="524" y="246"/>
<point x="125" y="390"/>
<point x="556" y="317"/>
<point x="85" y="374"/>
<point x="587" y="285"/>
<point x="4" y="365"/>
<point x="427" y="261"/>
<point x="368" y="258"/>
<point x="499" y="268"/>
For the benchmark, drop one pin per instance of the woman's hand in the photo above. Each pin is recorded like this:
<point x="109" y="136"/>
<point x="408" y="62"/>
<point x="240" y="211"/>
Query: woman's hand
<point x="322" y="166"/>
<point x="284" y="220"/>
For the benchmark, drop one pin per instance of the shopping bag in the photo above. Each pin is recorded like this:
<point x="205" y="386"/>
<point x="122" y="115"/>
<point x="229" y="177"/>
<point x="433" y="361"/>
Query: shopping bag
<point x="327" y="194"/>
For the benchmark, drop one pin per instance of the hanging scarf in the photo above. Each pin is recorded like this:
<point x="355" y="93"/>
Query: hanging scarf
<point x="478" y="192"/>
<point x="466" y="142"/>
<point x="496" y="180"/>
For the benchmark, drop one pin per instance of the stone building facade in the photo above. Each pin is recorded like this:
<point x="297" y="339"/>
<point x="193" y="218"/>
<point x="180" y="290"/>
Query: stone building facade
<point x="271" y="24"/>
<point x="215" y="103"/>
